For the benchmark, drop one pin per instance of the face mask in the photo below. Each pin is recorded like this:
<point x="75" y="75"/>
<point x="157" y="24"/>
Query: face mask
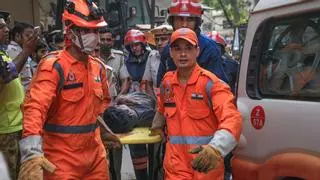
<point x="89" y="42"/>
<point x="105" y="49"/>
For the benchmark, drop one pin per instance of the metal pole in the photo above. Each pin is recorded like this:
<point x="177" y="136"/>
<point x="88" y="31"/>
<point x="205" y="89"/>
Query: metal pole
<point x="123" y="17"/>
<point x="60" y="8"/>
<point x="142" y="11"/>
<point x="153" y="6"/>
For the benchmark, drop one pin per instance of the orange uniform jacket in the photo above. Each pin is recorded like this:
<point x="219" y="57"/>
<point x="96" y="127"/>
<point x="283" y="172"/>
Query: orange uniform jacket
<point x="193" y="119"/>
<point x="66" y="116"/>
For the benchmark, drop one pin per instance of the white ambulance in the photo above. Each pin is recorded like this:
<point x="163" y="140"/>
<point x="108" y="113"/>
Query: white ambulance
<point x="279" y="93"/>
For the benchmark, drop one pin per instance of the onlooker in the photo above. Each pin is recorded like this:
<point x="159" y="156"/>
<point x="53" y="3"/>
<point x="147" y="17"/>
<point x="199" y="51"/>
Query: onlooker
<point x="135" y="43"/>
<point x="41" y="50"/>
<point x="115" y="59"/>
<point x="11" y="98"/>
<point x="6" y="17"/>
<point x="118" y="84"/>
<point x="20" y="33"/>
<point x="230" y="65"/>
<point x="162" y="35"/>
<point x="110" y="74"/>
<point x="4" y="34"/>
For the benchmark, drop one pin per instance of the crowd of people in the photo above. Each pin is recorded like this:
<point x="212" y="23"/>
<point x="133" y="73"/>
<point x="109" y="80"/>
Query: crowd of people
<point x="55" y="86"/>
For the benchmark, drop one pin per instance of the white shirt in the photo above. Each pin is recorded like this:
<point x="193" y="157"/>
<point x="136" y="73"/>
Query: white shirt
<point x="152" y="67"/>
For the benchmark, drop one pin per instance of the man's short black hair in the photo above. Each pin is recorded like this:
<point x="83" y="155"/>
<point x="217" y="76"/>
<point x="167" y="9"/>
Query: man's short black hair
<point x="18" y="28"/>
<point x="107" y="30"/>
<point x="41" y="44"/>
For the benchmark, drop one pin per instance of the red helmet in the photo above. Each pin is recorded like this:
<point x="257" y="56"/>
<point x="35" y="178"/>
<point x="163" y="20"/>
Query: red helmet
<point x="84" y="13"/>
<point x="134" y="36"/>
<point x="219" y="39"/>
<point x="185" y="8"/>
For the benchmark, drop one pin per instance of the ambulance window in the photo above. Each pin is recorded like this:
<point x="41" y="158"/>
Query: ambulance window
<point x="290" y="62"/>
<point x="275" y="35"/>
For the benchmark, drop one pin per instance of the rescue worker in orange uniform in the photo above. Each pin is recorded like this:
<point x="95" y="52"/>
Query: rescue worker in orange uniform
<point x="61" y="137"/>
<point x="202" y="122"/>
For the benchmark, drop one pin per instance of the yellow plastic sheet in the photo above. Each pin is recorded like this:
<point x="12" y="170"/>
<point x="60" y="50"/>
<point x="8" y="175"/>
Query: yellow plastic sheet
<point x="139" y="136"/>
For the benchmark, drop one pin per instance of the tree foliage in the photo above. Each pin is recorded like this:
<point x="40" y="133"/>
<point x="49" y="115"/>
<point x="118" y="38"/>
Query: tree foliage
<point x="235" y="11"/>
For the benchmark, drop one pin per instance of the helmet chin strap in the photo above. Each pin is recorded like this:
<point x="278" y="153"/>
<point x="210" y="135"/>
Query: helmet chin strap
<point x="80" y="41"/>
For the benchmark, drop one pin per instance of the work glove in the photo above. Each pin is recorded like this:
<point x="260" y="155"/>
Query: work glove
<point x="33" y="168"/>
<point x="207" y="159"/>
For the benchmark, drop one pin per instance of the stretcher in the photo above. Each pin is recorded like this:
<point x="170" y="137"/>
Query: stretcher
<point x="140" y="135"/>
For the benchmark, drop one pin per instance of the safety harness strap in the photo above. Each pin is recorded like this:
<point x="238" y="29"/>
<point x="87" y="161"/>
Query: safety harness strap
<point x="58" y="67"/>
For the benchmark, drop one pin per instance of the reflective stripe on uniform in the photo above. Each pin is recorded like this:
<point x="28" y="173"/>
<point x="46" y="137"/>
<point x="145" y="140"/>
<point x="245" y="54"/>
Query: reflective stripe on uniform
<point x="208" y="91"/>
<point x="70" y="129"/>
<point x="198" y="140"/>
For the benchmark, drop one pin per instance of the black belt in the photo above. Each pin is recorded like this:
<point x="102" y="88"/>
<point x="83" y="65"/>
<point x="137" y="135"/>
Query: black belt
<point x="70" y="129"/>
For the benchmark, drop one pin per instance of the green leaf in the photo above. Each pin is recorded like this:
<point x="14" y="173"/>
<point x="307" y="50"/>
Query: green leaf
<point x="236" y="11"/>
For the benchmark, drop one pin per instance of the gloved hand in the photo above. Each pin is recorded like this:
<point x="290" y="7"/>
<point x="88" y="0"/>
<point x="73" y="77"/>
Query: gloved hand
<point x="33" y="168"/>
<point x="207" y="159"/>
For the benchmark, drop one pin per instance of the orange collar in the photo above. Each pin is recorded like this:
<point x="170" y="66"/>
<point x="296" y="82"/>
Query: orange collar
<point x="193" y="77"/>
<point x="70" y="58"/>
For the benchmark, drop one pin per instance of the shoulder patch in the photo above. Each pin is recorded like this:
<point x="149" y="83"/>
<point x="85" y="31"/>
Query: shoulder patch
<point x="48" y="60"/>
<point x="169" y="74"/>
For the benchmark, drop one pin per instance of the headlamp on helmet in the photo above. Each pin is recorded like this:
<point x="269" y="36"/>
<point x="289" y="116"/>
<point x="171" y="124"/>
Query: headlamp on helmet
<point x="83" y="13"/>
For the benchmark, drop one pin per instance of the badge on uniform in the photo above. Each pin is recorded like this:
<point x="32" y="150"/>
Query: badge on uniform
<point x="97" y="79"/>
<point x="71" y="77"/>
<point x="168" y="96"/>
<point x="196" y="96"/>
